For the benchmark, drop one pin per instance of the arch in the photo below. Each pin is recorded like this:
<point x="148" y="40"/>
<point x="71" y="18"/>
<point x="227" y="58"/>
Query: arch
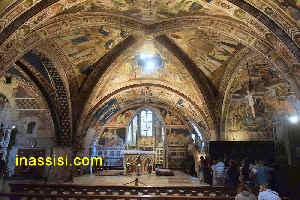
<point x="208" y="122"/>
<point x="195" y="80"/>
<point x="231" y="78"/>
<point x="256" y="13"/>
<point x="87" y="138"/>
<point x="179" y="24"/>
<point x="147" y="107"/>
<point x="203" y="83"/>
<point x="61" y="125"/>
<point x="190" y="22"/>
<point x="32" y="39"/>
<point x="232" y="68"/>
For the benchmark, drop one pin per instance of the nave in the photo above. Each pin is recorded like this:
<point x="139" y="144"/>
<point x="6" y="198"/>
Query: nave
<point x="204" y="91"/>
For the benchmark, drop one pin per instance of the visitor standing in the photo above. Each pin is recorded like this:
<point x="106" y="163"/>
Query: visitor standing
<point x="244" y="171"/>
<point x="232" y="176"/>
<point x="213" y="174"/>
<point x="219" y="172"/>
<point x="265" y="193"/>
<point x="261" y="173"/>
<point x="201" y="169"/>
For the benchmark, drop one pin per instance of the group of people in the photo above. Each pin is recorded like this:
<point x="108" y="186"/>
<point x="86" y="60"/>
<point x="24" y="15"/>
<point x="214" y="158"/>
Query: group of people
<point x="243" y="177"/>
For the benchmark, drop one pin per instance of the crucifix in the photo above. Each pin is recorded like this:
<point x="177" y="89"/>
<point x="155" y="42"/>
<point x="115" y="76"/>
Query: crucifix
<point x="250" y="93"/>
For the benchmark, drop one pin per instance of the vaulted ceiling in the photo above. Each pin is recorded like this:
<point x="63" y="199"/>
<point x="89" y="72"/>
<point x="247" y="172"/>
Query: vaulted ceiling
<point x="86" y="55"/>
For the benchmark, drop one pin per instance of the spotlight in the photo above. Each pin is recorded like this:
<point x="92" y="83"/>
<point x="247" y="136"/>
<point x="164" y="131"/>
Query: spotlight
<point x="13" y="127"/>
<point x="293" y="119"/>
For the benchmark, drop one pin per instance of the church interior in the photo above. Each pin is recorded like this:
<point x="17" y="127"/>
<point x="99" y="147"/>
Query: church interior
<point x="156" y="88"/>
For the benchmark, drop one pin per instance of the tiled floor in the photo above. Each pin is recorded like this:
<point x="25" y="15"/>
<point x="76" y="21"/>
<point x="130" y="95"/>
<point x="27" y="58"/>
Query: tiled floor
<point x="180" y="179"/>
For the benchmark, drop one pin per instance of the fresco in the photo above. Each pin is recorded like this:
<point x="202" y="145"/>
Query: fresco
<point x="5" y="3"/>
<point x="123" y="118"/>
<point x="112" y="137"/>
<point x="207" y="49"/>
<point x="107" y="110"/>
<point x="253" y="109"/>
<point x="156" y="95"/>
<point x="144" y="9"/>
<point x="290" y="7"/>
<point x="131" y="69"/>
<point x="36" y="61"/>
<point x="177" y="141"/>
<point x="84" y="47"/>
<point x="169" y="118"/>
<point x="111" y="145"/>
<point x="178" y="137"/>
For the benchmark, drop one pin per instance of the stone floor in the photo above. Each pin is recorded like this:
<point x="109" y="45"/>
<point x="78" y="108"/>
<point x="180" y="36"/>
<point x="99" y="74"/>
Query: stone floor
<point x="180" y="179"/>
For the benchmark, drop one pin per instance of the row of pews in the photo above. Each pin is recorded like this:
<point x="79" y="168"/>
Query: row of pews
<point x="106" y="197"/>
<point x="83" y="192"/>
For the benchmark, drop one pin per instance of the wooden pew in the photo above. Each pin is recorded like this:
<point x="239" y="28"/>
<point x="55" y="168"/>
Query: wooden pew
<point x="74" y="191"/>
<point x="18" y="196"/>
<point x="69" y="189"/>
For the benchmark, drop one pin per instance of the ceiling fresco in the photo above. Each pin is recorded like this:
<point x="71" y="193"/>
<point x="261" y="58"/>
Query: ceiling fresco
<point x="5" y="3"/>
<point x="148" y="10"/>
<point x="207" y="49"/>
<point x="290" y="8"/>
<point x="137" y="68"/>
<point x="256" y="104"/>
<point x="87" y="30"/>
<point x="157" y="9"/>
<point x="84" y="47"/>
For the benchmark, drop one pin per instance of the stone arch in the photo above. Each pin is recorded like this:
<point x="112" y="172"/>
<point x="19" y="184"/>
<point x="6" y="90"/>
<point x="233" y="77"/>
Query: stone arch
<point x="51" y="9"/>
<point x="55" y="93"/>
<point x="89" y="136"/>
<point x="207" y="121"/>
<point x="229" y="78"/>
<point x="169" y="25"/>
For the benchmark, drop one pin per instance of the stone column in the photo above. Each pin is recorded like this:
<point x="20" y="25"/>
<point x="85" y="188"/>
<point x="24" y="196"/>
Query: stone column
<point x="61" y="173"/>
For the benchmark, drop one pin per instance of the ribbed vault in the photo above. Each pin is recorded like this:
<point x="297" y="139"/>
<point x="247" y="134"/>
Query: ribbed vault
<point x="84" y="55"/>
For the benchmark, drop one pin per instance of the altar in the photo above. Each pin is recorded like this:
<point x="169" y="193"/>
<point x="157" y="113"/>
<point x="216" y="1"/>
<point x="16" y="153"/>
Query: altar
<point x="138" y="162"/>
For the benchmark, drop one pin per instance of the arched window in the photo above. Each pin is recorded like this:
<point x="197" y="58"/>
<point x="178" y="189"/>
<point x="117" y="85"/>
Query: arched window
<point x="146" y="123"/>
<point x="31" y="127"/>
<point x="197" y="137"/>
<point x="131" y="137"/>
<point x="141" y="126"/>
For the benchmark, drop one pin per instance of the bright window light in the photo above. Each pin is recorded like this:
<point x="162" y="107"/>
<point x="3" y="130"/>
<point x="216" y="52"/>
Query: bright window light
<point x="150" y="65"/>
<point x="145" y="55"/>
<point x="293" y="119"/>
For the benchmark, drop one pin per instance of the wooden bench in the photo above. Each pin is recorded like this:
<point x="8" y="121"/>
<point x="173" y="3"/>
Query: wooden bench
<point x="22" y="196"/>
<point x="73" y="189"/>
